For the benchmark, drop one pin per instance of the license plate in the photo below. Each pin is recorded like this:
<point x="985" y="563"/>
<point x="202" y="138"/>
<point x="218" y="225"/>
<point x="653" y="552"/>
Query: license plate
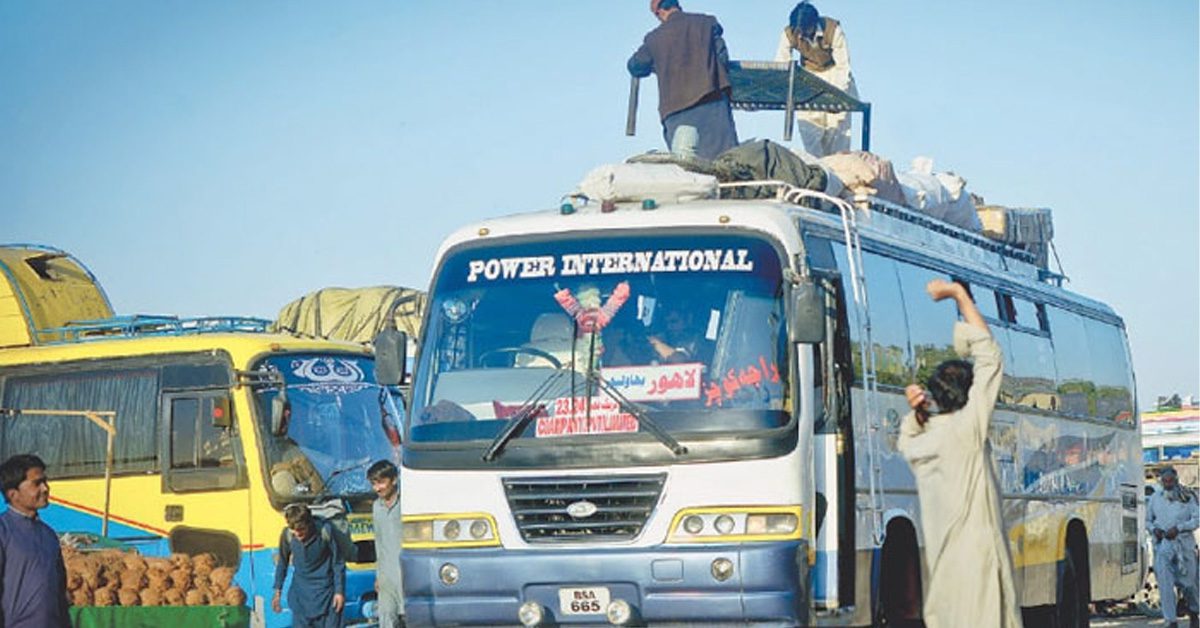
<point x="583" y="600"/>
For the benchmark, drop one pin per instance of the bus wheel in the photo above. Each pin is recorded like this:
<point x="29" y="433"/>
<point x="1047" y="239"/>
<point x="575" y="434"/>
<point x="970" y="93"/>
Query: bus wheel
<point x="899" y="600"/>
<point x="1074" y="584"/>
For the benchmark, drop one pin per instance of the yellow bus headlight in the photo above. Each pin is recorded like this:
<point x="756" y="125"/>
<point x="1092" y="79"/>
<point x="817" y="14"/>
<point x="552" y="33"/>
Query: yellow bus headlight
<point x="736" y="524"/>
<point x="468" y="529"/>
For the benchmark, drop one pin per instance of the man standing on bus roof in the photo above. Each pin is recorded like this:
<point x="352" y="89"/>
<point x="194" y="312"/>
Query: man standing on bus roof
<point x="33" y="593"/>
<point x="821" y="44"/>
<point x="688" y="55"/>
<point x="385" y="515"/>
<point x="970" y="569"/>
<point x="1172" y="515"/>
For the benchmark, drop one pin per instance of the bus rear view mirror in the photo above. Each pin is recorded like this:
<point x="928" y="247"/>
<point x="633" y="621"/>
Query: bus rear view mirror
<point x="391" y="353"/>
<point x="807" y="324"/>
<point x="281" y="411"/>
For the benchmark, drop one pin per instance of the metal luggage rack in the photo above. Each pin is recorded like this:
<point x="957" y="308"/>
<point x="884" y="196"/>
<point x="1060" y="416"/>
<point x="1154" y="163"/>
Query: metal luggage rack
<point x="144" y="325"/>
<point x="789" y="193"/>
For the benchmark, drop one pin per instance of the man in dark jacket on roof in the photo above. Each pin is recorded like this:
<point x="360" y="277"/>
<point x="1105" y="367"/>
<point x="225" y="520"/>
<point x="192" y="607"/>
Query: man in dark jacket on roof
<point x="687" y="53"/>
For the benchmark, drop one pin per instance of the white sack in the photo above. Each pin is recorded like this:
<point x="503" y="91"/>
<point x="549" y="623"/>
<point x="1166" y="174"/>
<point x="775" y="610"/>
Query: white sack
<point x="665" y="183"/>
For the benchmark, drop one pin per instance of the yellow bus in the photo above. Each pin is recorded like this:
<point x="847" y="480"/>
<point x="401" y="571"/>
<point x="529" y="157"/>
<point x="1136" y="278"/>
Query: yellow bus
<point x="216" y="426"/>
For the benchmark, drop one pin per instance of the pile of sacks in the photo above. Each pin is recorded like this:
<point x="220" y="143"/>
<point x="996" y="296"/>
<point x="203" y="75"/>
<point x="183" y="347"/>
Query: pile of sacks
<point x="119" y="578"/>
<point x="941" y="195"/>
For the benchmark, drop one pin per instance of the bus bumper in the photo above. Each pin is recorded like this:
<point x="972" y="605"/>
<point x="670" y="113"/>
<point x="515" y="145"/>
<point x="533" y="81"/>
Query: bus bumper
<point x="768" y="584"/>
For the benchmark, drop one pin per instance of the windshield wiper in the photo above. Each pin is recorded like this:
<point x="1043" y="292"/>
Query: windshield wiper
<point x="641" y="415"/>
<point x="358" y="464"/>
<point x="595" y="380"/>
<point x="528" y="410"/>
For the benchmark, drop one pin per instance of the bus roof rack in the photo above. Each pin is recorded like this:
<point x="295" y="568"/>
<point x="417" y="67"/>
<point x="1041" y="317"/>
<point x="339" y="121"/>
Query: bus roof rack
<point x="788" y="193"/>
<point x="142" y="325"/>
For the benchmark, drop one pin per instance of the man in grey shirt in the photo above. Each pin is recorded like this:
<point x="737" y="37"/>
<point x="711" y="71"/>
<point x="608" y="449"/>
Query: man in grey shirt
<point x="386" y="515"/>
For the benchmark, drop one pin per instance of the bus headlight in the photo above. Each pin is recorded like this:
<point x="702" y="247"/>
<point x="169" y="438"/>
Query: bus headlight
<point x="446" y="530"/>
<point x="722" y="524"/>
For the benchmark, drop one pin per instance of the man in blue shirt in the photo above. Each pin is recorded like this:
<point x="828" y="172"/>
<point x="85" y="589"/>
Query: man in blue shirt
<point x="33" y="593"/>
<point x="317" y="594"/>
<point x="386" y="515"/>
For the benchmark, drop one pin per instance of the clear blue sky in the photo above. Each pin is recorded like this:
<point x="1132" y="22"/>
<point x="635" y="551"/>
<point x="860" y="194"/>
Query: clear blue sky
<point x="227" y="157"/>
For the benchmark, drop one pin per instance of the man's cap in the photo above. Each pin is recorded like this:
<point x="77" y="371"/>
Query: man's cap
<point x="1168" y="470"/>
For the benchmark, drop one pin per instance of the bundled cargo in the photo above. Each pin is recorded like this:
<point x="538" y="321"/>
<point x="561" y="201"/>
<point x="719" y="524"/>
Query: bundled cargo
<point x="635" y="182"/>
<point x="942" y="195"/>
<point x="865" y="173"/>
<point x="1029" y="228"/>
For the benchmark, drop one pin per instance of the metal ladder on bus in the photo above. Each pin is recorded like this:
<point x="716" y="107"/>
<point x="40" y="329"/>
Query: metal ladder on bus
<point x="870" y="382"/>
<point x="858" y="283"/>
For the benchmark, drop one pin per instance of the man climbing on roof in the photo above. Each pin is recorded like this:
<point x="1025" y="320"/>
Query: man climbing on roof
<point x="688" y="54"/>
<point x="821" y="44"/>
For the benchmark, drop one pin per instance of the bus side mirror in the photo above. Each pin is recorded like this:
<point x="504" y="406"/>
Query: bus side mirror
<point x="222" y="416"/>
<point x="807" y="324"/>
<point x="391" y="354"/>
<point x="281" y="411"/>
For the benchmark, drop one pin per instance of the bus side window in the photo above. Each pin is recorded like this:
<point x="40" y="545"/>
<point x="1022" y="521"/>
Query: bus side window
<point x="1031" y="383"/>
<point x="1110" y="371"/>
<point x="929" y="322"/>
<point x="200" y="454"/>
<point x="72" y="446"/>
<point x="889" y="328"/>
<point x="1072" y="361"/>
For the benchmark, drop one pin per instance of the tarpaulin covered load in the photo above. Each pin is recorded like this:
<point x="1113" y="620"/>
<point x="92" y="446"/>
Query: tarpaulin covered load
<point x="353" y="314"/>
<point x="41" y="290"/>
<point x="754" y="160"/>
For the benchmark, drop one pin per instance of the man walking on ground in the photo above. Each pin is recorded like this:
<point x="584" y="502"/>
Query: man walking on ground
<point x="33" y="593"/>
<point x="317" y="594"/>
<point x="970" y="569"/>
<point x="688" y="54"/>
<point x="385" y="513"/>
<point x="1172" y="515"/>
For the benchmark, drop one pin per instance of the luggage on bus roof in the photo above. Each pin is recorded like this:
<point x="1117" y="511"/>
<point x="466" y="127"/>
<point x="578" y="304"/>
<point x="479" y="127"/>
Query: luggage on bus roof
<point x="44" y="289"/>
<point x="353" y="314"/>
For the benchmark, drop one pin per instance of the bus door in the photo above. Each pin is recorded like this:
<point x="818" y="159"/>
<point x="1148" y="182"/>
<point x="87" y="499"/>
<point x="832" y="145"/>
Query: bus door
<point x="834" y="572"/>
<point x="204" y="483"/>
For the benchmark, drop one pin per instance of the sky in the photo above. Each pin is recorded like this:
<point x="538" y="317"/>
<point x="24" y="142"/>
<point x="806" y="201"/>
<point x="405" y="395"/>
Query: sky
<point x="221" y="158"/>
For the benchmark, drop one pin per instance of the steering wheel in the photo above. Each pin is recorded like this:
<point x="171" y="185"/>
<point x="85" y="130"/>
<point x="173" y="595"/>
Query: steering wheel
<point x="555" y="362"/>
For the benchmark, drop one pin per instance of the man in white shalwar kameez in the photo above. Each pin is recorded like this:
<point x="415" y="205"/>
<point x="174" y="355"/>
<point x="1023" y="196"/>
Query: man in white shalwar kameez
<point x="970" y="569"/>
<point x="821" y="44"/>
<point x="1172" y="516"/>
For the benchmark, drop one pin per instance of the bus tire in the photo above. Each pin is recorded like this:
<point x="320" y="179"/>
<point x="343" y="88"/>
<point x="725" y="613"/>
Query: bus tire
<point x="1074" y="583"/>
<point x="898" y="602"/>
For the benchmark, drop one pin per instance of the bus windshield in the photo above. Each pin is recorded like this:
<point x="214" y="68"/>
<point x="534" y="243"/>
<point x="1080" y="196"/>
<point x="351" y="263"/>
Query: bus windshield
<point x="578" y="337"/>
<point x="338" y="422"/>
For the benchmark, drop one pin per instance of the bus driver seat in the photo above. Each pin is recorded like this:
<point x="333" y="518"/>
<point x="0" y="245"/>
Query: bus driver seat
<point x="553" y="333"/>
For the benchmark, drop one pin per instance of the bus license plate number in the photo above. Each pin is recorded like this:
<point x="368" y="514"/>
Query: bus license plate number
<point x="583" y="600"/>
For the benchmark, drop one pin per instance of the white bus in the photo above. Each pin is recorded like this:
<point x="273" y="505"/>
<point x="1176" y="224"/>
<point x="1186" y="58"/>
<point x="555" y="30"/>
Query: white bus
<point x="689" y="413"/>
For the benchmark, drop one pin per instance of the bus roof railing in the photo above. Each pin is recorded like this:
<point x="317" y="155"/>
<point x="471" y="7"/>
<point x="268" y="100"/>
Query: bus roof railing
<point x="789" y="193"/>
<point x="143" y="325"/>
<point x="777" y="86"/>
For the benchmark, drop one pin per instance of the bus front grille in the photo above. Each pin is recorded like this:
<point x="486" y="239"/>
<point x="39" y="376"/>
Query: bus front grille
<point x="582" y="509"/>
